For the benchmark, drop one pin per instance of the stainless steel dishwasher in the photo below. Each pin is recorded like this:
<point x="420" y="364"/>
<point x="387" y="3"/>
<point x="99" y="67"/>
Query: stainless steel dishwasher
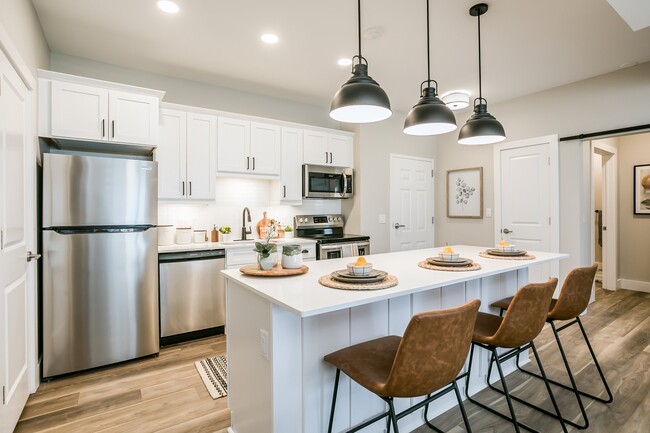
<point x="192" y="295"/>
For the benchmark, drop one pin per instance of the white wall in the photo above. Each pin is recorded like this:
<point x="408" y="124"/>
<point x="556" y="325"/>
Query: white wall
<point x="610" y="101"/>
<point x="20" y="21"/>
<point x="374" y="142"/>
<point x="198" y="94"/>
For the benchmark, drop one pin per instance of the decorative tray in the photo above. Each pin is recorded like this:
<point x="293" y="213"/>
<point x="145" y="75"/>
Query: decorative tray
<point x="496" y="252"/>
<point x="277" y="271"/>
<point x="344" y="276"/>
<point x="457" y="263"/>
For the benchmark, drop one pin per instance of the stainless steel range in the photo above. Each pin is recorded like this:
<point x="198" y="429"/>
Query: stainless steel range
<point x="331" y="242"/>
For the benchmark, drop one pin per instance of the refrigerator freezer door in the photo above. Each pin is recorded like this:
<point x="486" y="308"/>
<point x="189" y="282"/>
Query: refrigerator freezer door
<point x="100" y="299"/>
<point x="81" y="191"/>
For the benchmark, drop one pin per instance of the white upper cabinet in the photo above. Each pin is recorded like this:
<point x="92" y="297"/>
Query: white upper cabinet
<point x="322" y="148"/>
<point x="186" y="155"/>
<point x="248" y="148"/>
<point x="78" y="108"/>
<point x="291" y="173"/>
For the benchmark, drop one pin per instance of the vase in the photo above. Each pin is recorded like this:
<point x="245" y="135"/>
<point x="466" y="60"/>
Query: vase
<point x="288" y="235"/>
<point x="266" y="263"/>
<point x="225" y="237"/>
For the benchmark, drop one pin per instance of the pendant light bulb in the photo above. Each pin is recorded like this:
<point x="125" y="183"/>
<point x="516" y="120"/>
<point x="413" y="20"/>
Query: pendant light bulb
<point x="481" y="127"/>
<point x="360" y="99"/>
<point x="430" y="116"/>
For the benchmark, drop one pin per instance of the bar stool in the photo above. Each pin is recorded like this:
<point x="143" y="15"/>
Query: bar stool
<point x="428" y="357"/>
<point x="573" y="300"/>
<point x="523" y="321"/>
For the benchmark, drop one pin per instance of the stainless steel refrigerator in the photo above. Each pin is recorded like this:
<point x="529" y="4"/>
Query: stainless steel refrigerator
<point x="100" y="261"/>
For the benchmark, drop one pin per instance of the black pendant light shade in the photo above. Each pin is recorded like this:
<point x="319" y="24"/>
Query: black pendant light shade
<point x="360" y="99"/>
<point x="430" y="116"/>
<point x="481" y="127"/>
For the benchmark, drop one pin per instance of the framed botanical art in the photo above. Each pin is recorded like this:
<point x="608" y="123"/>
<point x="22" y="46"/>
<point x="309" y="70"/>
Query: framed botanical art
<point x="642" y="189"/>
<point x="465" y="193"/>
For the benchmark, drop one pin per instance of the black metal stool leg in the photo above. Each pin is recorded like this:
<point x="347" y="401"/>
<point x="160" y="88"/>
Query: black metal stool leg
<point x="505" y="389"/>
<point x="392" y="415"/>
<point x="462" y="408"/>
<point x="600" y="371"/>
<point x="336" y="388"/>
<point x="548" y="388"/>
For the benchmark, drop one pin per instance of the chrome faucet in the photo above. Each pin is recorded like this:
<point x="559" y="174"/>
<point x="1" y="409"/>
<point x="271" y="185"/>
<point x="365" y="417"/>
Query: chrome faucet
<point x="245" y="231"/>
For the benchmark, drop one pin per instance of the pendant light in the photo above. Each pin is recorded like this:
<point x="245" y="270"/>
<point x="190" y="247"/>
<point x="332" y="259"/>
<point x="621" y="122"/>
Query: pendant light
<point x="360" y="99"/>
<point x="482" y="127"/>
<point x="430" y="116"/>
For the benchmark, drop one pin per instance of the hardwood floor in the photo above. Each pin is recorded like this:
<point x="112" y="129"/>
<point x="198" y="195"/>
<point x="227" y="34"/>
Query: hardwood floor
<point x="165" y="394"/>
<point x="618" y="326"/>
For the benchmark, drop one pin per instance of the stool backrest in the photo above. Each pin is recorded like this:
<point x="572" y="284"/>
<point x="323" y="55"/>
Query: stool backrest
<point x="575" y="293"/>
<point x="432" y="351"/>
<point x="526" y="315"/>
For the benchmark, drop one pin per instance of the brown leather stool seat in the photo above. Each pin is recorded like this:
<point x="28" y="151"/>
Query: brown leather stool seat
<point x="516" y="331"/>
<point x="427" y="358"/>
<point x="573" y="300"/>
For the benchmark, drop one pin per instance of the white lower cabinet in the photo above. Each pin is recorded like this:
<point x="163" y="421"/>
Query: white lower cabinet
<point x="186" y="155"/>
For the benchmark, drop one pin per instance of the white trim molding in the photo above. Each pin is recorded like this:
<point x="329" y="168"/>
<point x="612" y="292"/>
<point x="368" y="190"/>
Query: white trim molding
<point x="638" y="286"/>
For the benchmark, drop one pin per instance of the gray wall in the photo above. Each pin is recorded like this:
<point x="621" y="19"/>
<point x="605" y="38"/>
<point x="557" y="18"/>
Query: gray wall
<point x="614" y="100"/>
<point x="19" y="19"/>
<point x="634" y="230"/>
<point x="198" y="94"/>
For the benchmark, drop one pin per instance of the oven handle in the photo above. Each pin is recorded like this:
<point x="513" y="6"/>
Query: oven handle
<point x="330" y="247"/>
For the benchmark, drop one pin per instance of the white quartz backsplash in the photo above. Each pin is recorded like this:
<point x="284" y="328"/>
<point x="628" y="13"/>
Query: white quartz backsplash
<point x="232" y="195"/>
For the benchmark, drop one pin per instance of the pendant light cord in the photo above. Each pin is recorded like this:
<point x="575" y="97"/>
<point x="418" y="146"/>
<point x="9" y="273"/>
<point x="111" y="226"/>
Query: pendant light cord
<point x="428" y="49"/>
<point x="359" y="22"/>
<point x="480" y="89"/>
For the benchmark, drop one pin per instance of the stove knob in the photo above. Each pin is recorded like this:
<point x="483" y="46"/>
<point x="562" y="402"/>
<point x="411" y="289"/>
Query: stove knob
<point x="330" y="219"/>
<point x="338" y="218"/>
<point x="302" y="220"/>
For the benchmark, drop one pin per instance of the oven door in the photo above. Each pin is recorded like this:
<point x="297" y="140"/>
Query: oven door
<point x="326" y="182"/>
<point x="329" y="251"/>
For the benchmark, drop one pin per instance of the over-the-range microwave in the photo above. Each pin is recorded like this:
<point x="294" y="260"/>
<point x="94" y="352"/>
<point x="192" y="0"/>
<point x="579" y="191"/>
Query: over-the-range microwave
<point x="320" y="181"/>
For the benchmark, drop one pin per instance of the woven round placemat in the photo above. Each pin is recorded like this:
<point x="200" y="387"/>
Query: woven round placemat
<point x="491" y="256"/>
<point x="426" y="265"/>
<point x="328" y="281"/>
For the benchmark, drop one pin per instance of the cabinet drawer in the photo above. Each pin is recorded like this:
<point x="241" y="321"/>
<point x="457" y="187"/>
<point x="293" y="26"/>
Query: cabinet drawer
<point x="241" y="257"/>
<point x="311" y="252"/>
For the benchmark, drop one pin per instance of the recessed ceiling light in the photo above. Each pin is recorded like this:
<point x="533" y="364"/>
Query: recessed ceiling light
<point x="168" y="6"/>
<point x="270" y="38"/>
<point x="344" y="61"/>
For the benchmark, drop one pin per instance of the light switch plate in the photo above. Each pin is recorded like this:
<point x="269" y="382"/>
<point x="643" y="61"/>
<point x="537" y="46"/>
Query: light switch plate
<point x="382" y="218"/>
<point x="488" y="212"/>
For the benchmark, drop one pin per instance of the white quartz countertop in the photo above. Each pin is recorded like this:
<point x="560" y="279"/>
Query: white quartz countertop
<point x="304" y="296"/>
<point x="232" y="245"/>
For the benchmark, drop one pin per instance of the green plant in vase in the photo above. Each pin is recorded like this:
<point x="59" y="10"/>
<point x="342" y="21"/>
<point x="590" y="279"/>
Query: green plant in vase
<point x="288" y="232"/>
<point x="225" y="233"/>
<point x="266" y="251"/>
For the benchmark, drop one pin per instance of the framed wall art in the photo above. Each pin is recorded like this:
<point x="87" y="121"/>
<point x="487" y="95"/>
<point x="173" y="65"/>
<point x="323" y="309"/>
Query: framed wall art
<point x="642" y="189"/>
<point x="465" y="193"/>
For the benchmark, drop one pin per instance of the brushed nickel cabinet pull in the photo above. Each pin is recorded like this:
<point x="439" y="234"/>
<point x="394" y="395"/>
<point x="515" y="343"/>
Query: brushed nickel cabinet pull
<point x="183" y="188"/>
<point x="190" y="187"/>
<point x="330" y="157"/>
<point x="325" y="157"/>
<point x="103" y="127"/>
<point x="284" y="194"/>
<point x="248" y="163"/>
<point x="113" y="126"/>
<point x="253" y="163"/>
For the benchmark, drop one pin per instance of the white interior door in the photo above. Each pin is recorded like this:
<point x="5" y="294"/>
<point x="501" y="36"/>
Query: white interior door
<point x="411" y="203"/>
<point x="610" y="209"/>
<point x="14" y="315"/>
<point x="527" y="198"/>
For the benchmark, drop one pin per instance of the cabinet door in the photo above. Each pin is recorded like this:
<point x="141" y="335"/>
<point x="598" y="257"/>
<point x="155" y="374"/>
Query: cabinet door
<point x="291" y="173"/>
<point x="170" y="154"/>
<point x="201" y="149"/>
<point x="315" y="148"/>
<point x="233" y="145"/>
<point x="79" y="111"/>
<point x="340" y="148"/>
<point x="265" y="148"/>
<point x="133" y="118"/>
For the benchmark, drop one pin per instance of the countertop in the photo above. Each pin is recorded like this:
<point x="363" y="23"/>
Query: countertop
<point x="304" y="296"/>
<point x="231" y="245"/>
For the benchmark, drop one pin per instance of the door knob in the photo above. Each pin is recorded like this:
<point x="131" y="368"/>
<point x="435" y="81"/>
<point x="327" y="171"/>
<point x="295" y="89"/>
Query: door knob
<point x="32" y="256"/>
<point x="506" y="231"/>
<point x="398" y="225"/>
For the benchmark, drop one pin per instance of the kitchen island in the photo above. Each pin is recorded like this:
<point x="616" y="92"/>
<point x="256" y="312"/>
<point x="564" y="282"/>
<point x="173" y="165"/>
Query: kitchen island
<point x="279" y="329"/>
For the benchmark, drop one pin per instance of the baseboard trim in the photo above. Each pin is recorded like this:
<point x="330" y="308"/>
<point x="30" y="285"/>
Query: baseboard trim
<point x="639" y="286"/>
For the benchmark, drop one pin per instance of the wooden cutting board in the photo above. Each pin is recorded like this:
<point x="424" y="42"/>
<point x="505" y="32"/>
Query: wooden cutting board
<point x="277" y="271"/>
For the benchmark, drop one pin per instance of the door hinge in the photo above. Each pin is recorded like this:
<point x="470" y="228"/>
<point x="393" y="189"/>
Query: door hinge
<point x="4" y="401"/>
<point x="432" y="173"/>
<point x="549" y="160"/>
<point x="433" y="220"/>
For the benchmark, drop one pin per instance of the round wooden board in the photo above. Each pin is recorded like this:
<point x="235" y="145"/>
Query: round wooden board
<point x="277" y="271"/>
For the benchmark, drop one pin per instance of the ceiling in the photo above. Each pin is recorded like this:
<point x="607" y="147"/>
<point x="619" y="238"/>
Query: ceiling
<point x="528" y="46"/>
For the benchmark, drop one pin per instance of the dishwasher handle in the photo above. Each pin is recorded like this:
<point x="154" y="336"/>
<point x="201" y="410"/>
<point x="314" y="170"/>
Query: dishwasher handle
<point x="191" y="255"/>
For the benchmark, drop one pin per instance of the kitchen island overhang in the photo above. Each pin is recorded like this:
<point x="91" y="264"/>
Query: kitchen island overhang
<point x="279" y="329"/>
